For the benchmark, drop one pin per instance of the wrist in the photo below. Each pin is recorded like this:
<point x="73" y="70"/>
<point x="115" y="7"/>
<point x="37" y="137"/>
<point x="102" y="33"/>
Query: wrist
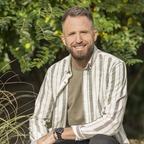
<point x="68" y="133"/>
<point x="57" y="133"/>
<point x="54" y="135"/>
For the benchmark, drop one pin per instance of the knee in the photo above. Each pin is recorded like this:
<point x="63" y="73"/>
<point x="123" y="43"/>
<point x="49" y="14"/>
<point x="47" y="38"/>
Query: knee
<point x="103" y="139"/>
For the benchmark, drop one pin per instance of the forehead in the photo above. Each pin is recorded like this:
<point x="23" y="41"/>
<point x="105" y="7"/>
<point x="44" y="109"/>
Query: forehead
<point x="77" y="22"/>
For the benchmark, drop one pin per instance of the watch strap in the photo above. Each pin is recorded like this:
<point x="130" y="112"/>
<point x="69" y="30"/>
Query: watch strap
<point x="54" y="135"/>
<point x="59" y="132"/>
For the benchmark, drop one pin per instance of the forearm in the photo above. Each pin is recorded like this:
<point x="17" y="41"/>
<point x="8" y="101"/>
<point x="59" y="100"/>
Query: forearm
<point x="37" y="128"/>
<point x="107" y="124"/>
<point x="68" y="134"/>
<point x="49" y="138"/>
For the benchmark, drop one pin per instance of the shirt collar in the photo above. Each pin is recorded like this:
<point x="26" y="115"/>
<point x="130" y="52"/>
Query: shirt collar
<point x="92" y="59"/>
<point x="89" y="64"/>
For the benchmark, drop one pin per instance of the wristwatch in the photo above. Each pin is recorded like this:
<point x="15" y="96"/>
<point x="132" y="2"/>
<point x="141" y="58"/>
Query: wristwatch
<point x="59" y="132"/>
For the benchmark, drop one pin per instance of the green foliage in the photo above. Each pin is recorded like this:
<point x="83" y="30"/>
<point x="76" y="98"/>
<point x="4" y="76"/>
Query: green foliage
<point x="30" y="30"/>
<point x="119" y="26"/>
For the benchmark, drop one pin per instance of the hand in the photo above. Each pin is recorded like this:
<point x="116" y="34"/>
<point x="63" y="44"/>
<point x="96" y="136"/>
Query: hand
<point x="47" y="139"/>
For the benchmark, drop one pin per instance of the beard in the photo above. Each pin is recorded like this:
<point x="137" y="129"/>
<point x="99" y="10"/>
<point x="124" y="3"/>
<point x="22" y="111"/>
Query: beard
<point x="81" y="55"/>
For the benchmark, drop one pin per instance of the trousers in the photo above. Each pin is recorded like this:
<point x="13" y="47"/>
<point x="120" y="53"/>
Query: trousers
<point x="97" y="139"/>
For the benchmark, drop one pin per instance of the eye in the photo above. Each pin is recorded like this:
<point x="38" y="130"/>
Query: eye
<point x="71" y="34"/>
<point x="84" y="32"/>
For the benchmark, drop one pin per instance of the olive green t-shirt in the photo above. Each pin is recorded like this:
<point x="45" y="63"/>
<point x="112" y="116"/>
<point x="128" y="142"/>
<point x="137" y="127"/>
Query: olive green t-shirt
<point x="75" y="113"/>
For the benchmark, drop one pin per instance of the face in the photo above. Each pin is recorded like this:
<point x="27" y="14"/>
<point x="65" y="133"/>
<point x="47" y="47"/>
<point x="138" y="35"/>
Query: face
<point x="79" y="37"/>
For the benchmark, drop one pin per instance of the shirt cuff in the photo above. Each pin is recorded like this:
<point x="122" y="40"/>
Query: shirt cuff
<point x="77" y="132"/>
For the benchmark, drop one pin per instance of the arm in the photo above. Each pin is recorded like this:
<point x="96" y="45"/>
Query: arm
<point x="114" y="107"/>
<point x="42" y="112"/>
<point x="49" y="138"/>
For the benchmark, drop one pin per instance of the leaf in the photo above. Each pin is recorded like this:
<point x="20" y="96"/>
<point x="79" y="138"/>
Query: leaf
<point x="26" y="33"/>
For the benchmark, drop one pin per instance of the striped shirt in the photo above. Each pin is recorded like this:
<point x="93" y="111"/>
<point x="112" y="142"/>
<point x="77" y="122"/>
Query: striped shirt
<point x="104" y="92"/>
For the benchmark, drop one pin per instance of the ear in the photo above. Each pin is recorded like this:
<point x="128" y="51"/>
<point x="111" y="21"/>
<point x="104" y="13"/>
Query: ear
<point x="63" y="40"/>
<point x="95" y="35"/>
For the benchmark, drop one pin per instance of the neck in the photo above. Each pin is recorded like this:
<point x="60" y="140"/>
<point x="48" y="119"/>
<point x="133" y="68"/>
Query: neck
<point x="80" y="64"/>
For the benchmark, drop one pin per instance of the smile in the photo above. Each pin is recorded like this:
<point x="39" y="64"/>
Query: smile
<point x="79" y="47"/>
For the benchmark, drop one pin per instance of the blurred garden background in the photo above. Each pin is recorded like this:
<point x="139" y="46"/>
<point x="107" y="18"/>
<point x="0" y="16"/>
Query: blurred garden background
<point x="30" y="42"/>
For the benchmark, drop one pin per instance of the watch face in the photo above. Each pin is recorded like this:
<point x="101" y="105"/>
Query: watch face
<point x="59" y="130"/>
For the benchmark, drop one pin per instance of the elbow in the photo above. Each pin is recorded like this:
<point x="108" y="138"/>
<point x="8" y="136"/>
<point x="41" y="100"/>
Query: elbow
<point x="114" y="127"/>
<point x="111" y="126"/>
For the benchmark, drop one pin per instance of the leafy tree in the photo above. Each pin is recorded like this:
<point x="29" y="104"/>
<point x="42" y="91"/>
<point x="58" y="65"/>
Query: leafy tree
<point x="30" y="30"/>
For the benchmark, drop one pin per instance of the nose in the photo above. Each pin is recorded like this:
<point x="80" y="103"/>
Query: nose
<point x="78" y="38"/>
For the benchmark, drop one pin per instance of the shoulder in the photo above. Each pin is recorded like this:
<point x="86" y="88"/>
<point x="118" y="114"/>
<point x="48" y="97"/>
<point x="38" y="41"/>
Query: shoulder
<point x="108" y="57"/>
<point x="60" y="65"/>
<point x="107" y="62"/>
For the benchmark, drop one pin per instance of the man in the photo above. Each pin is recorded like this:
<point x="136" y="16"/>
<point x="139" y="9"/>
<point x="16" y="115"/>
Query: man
<point x="84" y="95"/>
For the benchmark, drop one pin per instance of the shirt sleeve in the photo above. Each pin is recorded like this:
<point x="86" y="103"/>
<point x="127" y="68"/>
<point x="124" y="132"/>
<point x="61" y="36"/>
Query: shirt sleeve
<point x="42" y="112"/>
<point x="115" y="102"/>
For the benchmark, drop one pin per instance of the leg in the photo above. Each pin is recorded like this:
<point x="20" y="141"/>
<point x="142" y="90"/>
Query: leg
<point x="103" y="139"/>
<point x="71" y="142"/>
